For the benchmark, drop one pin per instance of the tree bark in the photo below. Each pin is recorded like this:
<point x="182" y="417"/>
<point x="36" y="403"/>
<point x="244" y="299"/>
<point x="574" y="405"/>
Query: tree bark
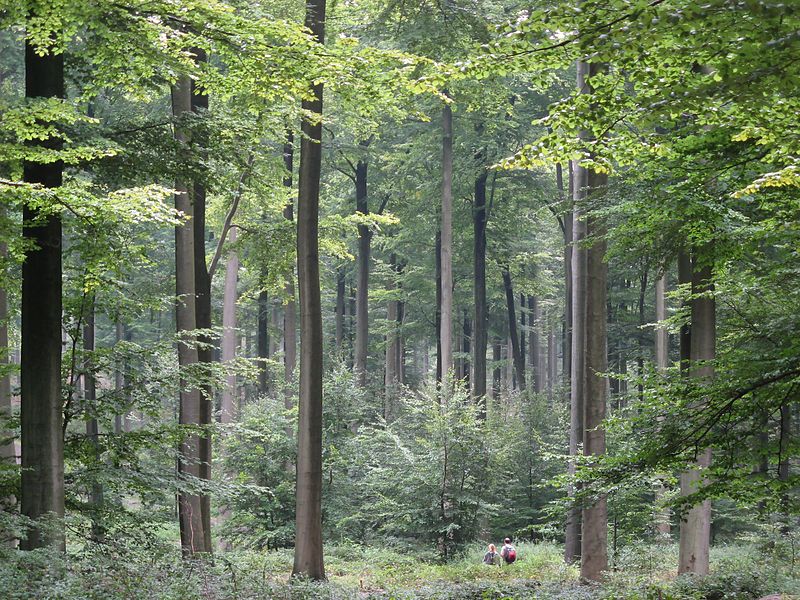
<point x="308" y="554"/>
<point x="7" y="450"/>
<point x="391" y="373"/>
<point x="552" y="364"/>
<point x="264" y="341"/>
<point x="594" y="532"/>
<point x="438" y="316"/>
<point x="466" y="337"/>
<point x="662" y="363"/>
<point x="497" y="374"/>
<point x="228" y="404"/>
<point x="92" y="428"/>
<point x="362" y="286"/>
<point x="519" y="362"/>
<point x="572" y="543"/>
<point x="481" y="313"/>
<point x="290" y="309"/>
<point x="566" y="350"/>
<point x="41" y="414"/>
<point x="190" y="506"/>
<point x="447" y="250"/>
<point x="695" y="528"/>
<point x="340" y="302"/>
<point x="205" y="355"/>
<point x="537" y="358"/>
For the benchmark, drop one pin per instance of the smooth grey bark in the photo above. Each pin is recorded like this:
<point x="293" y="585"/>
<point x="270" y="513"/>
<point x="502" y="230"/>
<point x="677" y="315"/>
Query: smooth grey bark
<point x="391" y="374"/>
<point x="662" y="362"/>
<point x="290" y="308"/>
<point x="446" y="327"/>
<point x="594" y="530"/>
<point x="264" y="340"/>
<point x="695" y="527"/>
<point x="340" y="308"/>
<point x="572" y="542"/>
<point x="92" y="428"/>
<point x="190" y="509"/>
<point x="438" y="309"/>
<point x="7" y="450"/>
<point x="202" y="299"/>
<point x="513" y="334"/>
<point x="308" y="553"/>
<point x="552" y="364"/>
<point x="481" y="334"/>
<point x="362" y="284"/>
<point x="538" y="362"/>
<point x="466" y="338"/>
<point x="228" y="402"/>
<point x="41" y="411"/>
<point x="566" y="350"/>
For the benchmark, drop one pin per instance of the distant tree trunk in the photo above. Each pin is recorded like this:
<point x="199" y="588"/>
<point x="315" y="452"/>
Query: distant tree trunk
<point x="662" y="362"/>
<point x="119" y="371"/>
<point x="391" y="372"/>
<point x="695" y="530"/>
<point x="552" y="364"/>
<point x="566" y="350"/>
<point x="92" y="429"/>
<point x="308" y="554"/>
<point x="7" y="450"/>
<point x="516" y="352"/>
<point x="41" y="414"/>
<point x="481" y="313"/>
<point x="400" y="342"/>
<point x="190" y="506"/>
<point x="466" y="336"/>
<point x="205" y="355"/>
<point x="447" y="247"/>
<point x="438" y="316"/>
<point x="228" y="404"/>
<point x="340" y="301"/>
<point x="276" y="325"/>
<point x="537" y="360"/>
<point x="640" y="334"/>
<point x="572" y="543"/>
<point x="264" y="341"/>
<point x="594" y="532"/>
<point x="522" y="326"/>
<point x="290" y="309"/>
<point x="685" y="338"/>
<point x="362" y="286"/>
<point x="497" y="374"/>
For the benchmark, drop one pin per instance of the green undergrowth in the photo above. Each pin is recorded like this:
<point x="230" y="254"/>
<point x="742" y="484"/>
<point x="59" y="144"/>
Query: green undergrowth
<point x="645" y="572"/>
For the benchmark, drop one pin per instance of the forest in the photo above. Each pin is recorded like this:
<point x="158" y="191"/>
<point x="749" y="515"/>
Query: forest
<point x="319" y="301"/>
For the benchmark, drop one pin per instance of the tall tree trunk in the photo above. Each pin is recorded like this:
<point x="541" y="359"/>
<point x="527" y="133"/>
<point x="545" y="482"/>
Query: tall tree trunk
<point x="537" y="360"/>
<point x="566" y="350"/>
<point x="7" y="450"/>
<point x="522" y="326"/>
<point x="119" y="371"/>
<point x="92" y="428"/>
<point x="190" y="506"/>
<point x="513" y="334"/>
<point x="264" y="340"/>
<point x="228" y="404"/>
<point x="205" y="355"/>
<point x="438" y="316"/>
<point x="391" y="373"/>
<point x="362" y="286"/>
<point x="481" y="313"/>
<point x="290" y="309"/>
<point x="662" y="362"/>
<point x="695" y="529"/>
<point x="497" y="373"/>
<point x="640" y="334"/>
<point x="447" y="249"/>
<point x="466" y="337"/>
<point x="308" y="556"/>
<point x="594" y="532"/>
<point x="41" y="414"/>
<point x="552" y="364"/>
<point x="340" y="303"/>
<point x="572" y="543"/>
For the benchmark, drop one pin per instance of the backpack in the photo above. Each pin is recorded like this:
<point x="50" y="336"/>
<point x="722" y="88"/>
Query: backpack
<point x="509" y="555"/>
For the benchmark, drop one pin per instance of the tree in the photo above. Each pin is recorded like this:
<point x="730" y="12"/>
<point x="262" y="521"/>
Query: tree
<point x="42" y="441"/>
<point x="481" y="333"/>
<point x="362" y="270"/>
<point x="446" y="306"/>
<point x="308" y="555"/>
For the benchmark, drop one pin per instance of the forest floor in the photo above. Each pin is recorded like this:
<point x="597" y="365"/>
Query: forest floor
<point x="739" y="571"/>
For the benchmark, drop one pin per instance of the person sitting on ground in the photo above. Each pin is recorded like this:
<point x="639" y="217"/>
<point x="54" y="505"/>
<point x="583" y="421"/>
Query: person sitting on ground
<point x="491" y="556"/>
<point x="508" y="552"/>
